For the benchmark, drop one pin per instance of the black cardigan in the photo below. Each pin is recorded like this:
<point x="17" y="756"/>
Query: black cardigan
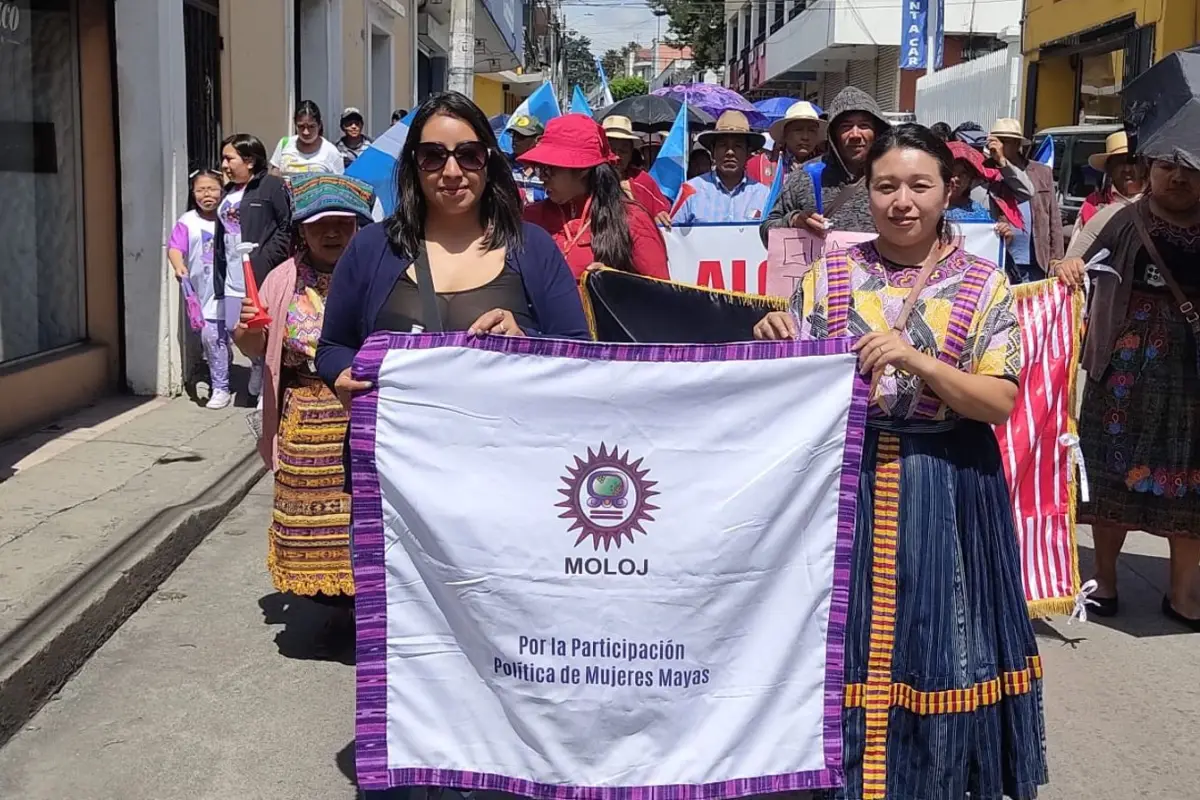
<point x="266" y="216"/>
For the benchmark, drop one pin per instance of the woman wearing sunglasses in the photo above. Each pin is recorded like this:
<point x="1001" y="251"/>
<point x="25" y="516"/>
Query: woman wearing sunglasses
<point x="456" y="242"/>
<point x="587" y="212"/>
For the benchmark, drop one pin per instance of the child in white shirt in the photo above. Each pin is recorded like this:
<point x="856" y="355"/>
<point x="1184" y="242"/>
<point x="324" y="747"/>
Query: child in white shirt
<point x="307" y="152"/>
<point x="190" y="253"/>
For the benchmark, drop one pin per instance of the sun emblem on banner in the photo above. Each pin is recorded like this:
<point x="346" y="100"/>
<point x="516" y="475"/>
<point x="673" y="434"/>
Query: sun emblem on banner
<point x="607" y="497"/>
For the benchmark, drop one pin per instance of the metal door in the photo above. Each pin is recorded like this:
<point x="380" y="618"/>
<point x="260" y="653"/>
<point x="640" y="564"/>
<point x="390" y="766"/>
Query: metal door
<point x="202" y="54"/>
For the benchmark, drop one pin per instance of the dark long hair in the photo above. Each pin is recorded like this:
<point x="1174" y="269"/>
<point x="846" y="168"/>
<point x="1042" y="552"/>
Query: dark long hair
<point x="250" y="148"/>
<point x="499" y="206"/>
<point x="308" y="108"/>
<point x="612" y="244"/>
<point x="911" y="136"/>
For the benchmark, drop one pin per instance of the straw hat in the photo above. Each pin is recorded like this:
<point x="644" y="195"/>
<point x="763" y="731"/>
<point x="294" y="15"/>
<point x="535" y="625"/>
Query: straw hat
<point x="1008" y="128"/>
<point x="618" y="127"/>
<point x="798" y="110"/>
<point x="732" y="123"/>
<point x="1117" y="144"/>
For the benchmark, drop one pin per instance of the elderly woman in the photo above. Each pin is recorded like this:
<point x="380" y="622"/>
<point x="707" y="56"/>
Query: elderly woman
<point x="1140" y="423"/>
<point x="943" y="679"/>
<point x="308" y="549"/>
<point x="455" y="243"/>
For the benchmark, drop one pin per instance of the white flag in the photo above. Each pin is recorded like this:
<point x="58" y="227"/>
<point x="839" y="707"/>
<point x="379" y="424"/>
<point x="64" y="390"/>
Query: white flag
<point x="621" y="569"/>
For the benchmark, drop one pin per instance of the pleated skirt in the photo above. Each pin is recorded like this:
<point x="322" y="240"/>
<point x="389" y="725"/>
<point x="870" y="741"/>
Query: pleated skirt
<point x="943" y="680"/>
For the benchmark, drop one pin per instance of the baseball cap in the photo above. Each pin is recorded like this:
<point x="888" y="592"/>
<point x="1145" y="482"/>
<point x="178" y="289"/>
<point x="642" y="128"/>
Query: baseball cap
<point x="351" y="113"/>
<point x="526" y="125"/>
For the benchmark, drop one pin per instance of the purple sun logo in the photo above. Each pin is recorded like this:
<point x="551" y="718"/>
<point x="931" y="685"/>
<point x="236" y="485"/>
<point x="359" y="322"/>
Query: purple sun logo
<point x="607" y="497"/>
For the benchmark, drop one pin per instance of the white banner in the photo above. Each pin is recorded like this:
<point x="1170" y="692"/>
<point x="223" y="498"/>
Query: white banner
<point x="567" y="588"/>
<point x="731" y="257"/>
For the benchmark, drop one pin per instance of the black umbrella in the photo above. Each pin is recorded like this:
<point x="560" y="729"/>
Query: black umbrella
<point x="1162" y="108"/>
<point x="650" y="112"/>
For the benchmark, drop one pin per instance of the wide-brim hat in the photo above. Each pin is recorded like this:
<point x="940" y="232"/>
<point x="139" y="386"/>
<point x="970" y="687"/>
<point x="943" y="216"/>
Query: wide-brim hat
<point x="321" y="196"/>
<point x="798" y="110"/>
<point x="572" y="141"/>
<point x="1008" y="128"/>
<point x="732" y="123"/>
<point x="1117" y="144"/>
<point x="618" y="127"/>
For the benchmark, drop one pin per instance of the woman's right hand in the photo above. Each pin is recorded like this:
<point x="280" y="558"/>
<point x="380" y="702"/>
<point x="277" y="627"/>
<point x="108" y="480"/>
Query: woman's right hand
<point x="345" y="386"/>
<point x="1070" y="271"/>
<point x="777" y="326"/>
<point x="247" y="313"/>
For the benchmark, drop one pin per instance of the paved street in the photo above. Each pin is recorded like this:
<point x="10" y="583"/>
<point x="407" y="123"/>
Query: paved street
<point x="213" y="690"/>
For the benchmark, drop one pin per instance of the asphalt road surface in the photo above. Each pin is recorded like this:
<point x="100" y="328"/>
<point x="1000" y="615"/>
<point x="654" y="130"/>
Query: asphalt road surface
<point x="216" y="690"/>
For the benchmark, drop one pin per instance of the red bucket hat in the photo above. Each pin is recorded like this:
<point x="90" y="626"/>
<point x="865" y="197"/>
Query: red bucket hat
<point x="572" y="141"/>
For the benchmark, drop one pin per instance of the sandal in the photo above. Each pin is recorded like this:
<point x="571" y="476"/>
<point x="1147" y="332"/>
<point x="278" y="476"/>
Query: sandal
<point x="1169" y="612"/>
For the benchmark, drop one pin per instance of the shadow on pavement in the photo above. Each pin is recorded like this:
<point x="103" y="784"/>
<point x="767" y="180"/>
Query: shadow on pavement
<point x="311" y="631"/>
<point x="1143" y="578"/>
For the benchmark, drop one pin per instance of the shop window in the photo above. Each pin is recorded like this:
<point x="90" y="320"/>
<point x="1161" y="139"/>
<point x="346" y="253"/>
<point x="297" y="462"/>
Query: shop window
<point x="1100" y="79"/>
<point x="41" y="263"/>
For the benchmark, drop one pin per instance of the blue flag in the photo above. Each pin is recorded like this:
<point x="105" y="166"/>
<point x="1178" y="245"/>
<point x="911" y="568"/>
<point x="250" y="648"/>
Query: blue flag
<point x="377" y="164"/>
<point x="670" y="168"/>
<point x="608" y="97"/>
<point x="541" y="104"/>
<point x="579" y="103"/>
<point x="1045" y="152"/>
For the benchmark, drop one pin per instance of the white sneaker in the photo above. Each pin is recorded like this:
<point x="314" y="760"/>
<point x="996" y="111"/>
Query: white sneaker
<point x="256" y="380"/>
<point x="219" y="399"/>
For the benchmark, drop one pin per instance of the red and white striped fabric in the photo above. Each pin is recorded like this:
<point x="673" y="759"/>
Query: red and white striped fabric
<point x="1038" y="445"/>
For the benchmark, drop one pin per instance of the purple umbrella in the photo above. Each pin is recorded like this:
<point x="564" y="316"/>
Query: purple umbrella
<point x="714" y="99"/>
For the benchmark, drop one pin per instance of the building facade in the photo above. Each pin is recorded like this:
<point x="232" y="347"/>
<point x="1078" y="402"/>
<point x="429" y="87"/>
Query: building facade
<point x="106" y="107"/>
<point x="811" y="49"/>
<point x="1080" y="53"/>
<point x="60" y="321"/>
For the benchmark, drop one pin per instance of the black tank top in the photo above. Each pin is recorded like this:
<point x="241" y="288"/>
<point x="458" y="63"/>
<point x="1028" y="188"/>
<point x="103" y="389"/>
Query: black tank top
<point x="403" y="310"/>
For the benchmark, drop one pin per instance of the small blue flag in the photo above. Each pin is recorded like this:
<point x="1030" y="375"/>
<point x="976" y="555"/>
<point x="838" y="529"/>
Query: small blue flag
<point x="579" y="103"/>
<point x="670" y="167"/>
<point x="1045" y="152"/>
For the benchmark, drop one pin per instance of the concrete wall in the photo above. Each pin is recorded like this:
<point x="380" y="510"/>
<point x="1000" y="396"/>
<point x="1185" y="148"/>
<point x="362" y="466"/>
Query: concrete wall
<point x="489" y="95"/>
<point x="153" y="124"/>
<point x="257" y="85"/>
<point x="45" y="387"/>
<point x="354" y="79"/>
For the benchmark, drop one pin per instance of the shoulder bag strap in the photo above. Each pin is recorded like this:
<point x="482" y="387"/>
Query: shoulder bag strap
<point x="429" y="300"/>
<point x="1185" y="306"/>
<point x="841" y="198"/>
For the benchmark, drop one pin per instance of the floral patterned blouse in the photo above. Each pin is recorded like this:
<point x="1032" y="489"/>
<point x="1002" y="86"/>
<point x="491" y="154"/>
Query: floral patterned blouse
<point x="962" y="287"/>
<point x="305" y="314"/>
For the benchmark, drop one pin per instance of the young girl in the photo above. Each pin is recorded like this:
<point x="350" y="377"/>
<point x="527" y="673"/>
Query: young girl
<point x="190" y="253"/>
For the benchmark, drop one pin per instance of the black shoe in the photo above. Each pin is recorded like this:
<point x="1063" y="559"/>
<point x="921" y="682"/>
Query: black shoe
<point x="1170" y="613"/>
<point x="1105" y="606"/>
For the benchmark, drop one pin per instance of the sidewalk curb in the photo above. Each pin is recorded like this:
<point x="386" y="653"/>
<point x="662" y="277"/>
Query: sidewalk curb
<point x="38" y="658"/>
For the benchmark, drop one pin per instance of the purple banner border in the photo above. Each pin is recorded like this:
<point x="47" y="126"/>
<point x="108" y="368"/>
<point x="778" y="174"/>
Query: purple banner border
<point x="371" y="588"/>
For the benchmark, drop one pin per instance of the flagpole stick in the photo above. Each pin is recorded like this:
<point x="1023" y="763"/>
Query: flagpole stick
<point x="932" y="23"/>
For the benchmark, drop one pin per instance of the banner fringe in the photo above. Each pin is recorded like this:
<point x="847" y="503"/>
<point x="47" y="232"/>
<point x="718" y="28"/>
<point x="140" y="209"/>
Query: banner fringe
<point x="1051" y="607"/>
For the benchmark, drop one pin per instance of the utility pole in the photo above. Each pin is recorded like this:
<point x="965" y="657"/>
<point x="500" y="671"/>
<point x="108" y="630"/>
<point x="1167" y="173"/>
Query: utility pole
<point x="462" y="47"/>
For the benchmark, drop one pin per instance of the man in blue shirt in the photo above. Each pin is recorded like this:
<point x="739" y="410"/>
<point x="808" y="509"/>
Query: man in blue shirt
<point x="526" y="132"/>
<point x="726" y="194"/>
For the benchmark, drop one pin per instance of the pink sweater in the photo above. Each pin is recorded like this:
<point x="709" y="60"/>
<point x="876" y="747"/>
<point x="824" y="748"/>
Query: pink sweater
<point x="276" y="295"/>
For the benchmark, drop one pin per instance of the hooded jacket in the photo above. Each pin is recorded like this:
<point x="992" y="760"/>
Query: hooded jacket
<point x="798" y="193"/>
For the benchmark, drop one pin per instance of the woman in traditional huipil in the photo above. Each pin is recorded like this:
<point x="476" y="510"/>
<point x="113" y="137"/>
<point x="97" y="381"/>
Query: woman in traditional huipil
<point x="304" y="423"/>
<point x="943" y="681"/>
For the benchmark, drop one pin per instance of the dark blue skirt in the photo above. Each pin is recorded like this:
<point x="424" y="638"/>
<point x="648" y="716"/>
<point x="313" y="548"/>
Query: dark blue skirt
<point x="943" y="679"/>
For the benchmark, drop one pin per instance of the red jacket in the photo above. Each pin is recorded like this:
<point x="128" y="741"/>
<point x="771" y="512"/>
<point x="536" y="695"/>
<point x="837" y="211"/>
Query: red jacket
<point x="563" y="223"/>
<point x="646" y="192"/>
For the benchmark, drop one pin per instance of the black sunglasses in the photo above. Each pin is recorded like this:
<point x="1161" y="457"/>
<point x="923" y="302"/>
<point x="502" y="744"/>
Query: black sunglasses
<point x="470" y="156"/>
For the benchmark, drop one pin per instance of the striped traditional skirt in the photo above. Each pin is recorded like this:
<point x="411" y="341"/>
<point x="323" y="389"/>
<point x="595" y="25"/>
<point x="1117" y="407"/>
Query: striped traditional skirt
<point x="309" y="538"/>
<point x="943" y="681"/>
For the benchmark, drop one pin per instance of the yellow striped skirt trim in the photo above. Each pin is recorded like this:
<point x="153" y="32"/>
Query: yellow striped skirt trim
<point x="954" y="701"/>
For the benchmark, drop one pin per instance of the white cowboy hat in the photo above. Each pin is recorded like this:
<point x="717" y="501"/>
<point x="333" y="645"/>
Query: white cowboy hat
<point x="1008" y="128"/>
<point x="798" y="110"/>
<point x="1117" y="144"/>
